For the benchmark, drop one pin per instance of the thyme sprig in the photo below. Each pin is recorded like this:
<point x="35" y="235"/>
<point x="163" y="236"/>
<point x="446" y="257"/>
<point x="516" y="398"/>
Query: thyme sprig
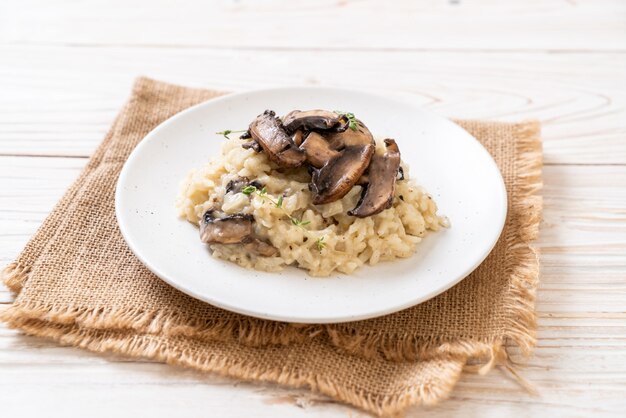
<point x="320" y="243"/>
<point x="353" y="123"/>
<point x="250" y="189"/>
<point x="227" y="132"/>
<point x="262" y="193"/>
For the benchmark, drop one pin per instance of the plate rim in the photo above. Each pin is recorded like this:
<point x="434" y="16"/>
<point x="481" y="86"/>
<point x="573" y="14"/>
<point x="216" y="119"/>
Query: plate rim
<point x="395" y="96"/>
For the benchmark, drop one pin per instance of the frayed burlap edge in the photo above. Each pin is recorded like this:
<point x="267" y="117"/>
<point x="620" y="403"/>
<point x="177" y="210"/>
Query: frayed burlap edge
<point x="243" y="329"/>
<point x="14" y="276"/>
<point x="150" y="346"/>
<point x="521" y="256"/>
<point x="521" y="321"/>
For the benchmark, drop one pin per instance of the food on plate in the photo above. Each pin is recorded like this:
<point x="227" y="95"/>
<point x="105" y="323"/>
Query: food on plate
<point x="312" y="189"/>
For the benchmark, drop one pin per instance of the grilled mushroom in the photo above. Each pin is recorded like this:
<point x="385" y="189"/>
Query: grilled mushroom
<point x="358" y="136"/>
<point x="268" y="132"/>
<point x="335" y="179"/>
<point x="314" y="120"/>
<point x="298" y="137"/>
<point x="232" y="229"/>
<point x="317" y="150"/>
<point x="383" y="171"/>
<point x="252" y="144"/>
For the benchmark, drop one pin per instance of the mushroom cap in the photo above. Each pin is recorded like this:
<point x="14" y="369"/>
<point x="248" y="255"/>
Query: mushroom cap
<point x="354" y="152"/>
<point x="383" y="172"/>
<point x="232" y="229"/>
<point x="335" y="179"/>
<point x="267" y="130"/>
<point x="316" y="119"/>
<point x="317" y="150"/>
<point x="358" y="136"/>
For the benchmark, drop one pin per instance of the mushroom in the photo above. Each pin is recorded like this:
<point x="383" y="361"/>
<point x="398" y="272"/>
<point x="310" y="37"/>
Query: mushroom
<point x="363" y="180"/>
<point x="315" y="120"/>
<point x="252" y="144"/>
<point x="232" y="229"/>
<point x="235" y="186"/>
<point x="354" y="153"/>
<point x="260" y="247"/>
<point x="400" y="173"/>
<point x="317" y="150"/>
<point x="268" y="132"/>
<point x="340" y="140"/>
<point x="298" y="137"/>
<point x="383" y="171"/>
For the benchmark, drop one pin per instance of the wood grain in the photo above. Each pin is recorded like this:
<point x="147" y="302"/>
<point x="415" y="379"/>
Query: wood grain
<point x="60" y="100"/>
<point x="459" y="25"/>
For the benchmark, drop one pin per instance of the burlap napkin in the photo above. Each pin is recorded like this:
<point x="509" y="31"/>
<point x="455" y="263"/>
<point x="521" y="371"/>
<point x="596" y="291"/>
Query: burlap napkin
<point x="78" y="283"/>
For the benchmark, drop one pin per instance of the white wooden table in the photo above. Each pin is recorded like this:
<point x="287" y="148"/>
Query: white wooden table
<point x="66" y="68"/>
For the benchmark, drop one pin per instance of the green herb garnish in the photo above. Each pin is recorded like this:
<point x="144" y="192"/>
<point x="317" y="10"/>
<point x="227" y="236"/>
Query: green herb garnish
<point x="320" y="243"/>
<point x="228" y="132"/>
<point x="352" y="122"/>
<point x="248" y="190"/>
<point x="262" y="193"/>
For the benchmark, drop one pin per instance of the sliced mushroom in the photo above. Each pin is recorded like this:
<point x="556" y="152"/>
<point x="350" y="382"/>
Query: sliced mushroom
<point x="383" y="171"/>
<point x="314" y="120"/>
<point x="317" y="150"/>
<point x="232" y="229"/>
<point x="335" y="179"/>
<point x="260" y="247"/>
<point x="235" y="186"/>
<point x="340" y="140"/>
<point x="268" y="131"/>
<point x="363" y="180"/>
<point x="298" y="137"/>
<point x="252" y="144"/>
<point x="400" y="173"/>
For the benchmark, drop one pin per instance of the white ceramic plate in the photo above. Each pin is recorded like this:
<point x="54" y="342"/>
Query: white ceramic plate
<point x="456" y="170"/>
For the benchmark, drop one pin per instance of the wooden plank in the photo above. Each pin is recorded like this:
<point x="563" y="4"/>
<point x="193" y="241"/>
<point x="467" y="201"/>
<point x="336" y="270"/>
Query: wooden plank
<point x="593" y="376"/>
<point x="29" y="188"/>
<point x="347" y="25"/>
<point x="52" y="102"/>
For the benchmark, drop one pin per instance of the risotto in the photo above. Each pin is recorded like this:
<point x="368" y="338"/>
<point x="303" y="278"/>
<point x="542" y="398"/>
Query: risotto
<point x="256" y="212"/>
